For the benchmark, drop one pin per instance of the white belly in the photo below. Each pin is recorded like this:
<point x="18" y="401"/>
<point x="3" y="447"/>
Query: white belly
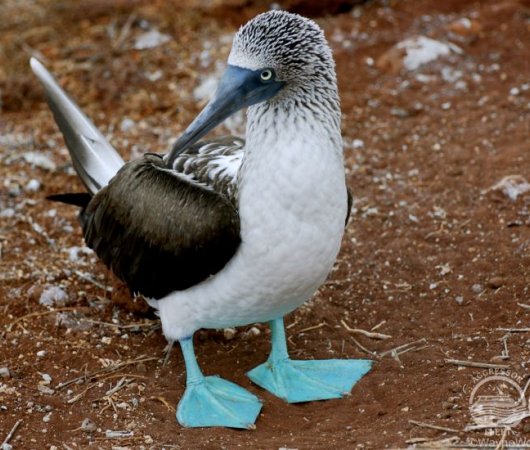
<point x="292" y="210"/>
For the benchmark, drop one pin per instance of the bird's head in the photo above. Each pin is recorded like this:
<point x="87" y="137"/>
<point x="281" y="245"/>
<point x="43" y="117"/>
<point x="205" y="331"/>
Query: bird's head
<point x="273" y="54"/>
<point x="283" y="47"/>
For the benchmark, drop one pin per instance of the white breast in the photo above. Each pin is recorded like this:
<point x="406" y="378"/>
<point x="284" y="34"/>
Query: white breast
<point x="292" y="205"/>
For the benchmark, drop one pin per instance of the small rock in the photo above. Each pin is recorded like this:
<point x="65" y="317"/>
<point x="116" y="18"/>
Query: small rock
<point x="45" y="389"/>
<point x="357" y="143"/>
<point x="6" y="446"/>
<point x="151" y="39"/>
<point x="6" y="213"/>
<point x="33" y="185"/>
<point x="41" y="353"/>
<point x="400" y="112"/>
<point x="413" y="53"/>
<point x="47" y="417"/>
<point x="477" y="288"/>
<point x="254" y="331"/>
<point x="40" y="160"/>
<point x="4" y="372"/>
<point x="465" y="28"/>
<point x="88" y="426"/>
<point x="126" y="124"/>
<point x="229" y="333"/>
<point x="53" y="296"/>
<point x="495" y="282"/>
<point x="512" y="186"/>
<point x="459" y="299"/>
<point x="46" y="379"/>
<point x="106" y="340"/>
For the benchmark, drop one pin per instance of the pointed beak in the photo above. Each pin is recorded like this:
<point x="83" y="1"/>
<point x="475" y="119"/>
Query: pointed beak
<point x="237" y="89"/>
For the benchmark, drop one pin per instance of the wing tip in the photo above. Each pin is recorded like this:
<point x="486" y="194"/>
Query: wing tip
<point x="37" y="67"/>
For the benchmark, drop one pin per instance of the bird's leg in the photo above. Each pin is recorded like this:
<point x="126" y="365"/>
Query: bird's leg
<point x="211" y="401"/>
<point x="304" y="381"/>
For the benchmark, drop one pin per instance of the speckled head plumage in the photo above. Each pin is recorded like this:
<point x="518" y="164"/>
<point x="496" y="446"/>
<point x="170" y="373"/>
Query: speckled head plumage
<point x="292" y="45"/>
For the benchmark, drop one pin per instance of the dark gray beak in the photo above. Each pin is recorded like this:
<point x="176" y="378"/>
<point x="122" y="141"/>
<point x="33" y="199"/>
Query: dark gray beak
<point x="237" y="89"/>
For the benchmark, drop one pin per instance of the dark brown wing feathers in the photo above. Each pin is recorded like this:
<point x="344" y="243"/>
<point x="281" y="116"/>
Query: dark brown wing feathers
<point x="157" y="232"/>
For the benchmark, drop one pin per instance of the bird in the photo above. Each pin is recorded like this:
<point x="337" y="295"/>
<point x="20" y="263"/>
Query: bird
<point x="229" y="232"/>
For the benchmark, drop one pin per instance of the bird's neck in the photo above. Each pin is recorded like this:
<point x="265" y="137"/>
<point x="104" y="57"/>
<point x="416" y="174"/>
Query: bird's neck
<point x="293" y="158"/>
<point x="300" y="115"/>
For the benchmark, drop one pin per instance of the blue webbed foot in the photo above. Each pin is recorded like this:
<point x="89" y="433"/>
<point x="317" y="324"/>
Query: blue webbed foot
<point x="213" y="401"/>
<point x="304" y="381"/>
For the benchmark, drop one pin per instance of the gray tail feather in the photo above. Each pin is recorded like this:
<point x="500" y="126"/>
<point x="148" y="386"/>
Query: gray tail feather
<point x="94" y="159"/>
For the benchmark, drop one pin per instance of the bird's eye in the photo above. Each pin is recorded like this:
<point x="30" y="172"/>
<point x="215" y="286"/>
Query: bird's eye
<point x="266" y="75"/>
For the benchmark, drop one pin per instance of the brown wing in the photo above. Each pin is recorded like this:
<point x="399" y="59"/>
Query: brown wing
<point x="159" y="232"/>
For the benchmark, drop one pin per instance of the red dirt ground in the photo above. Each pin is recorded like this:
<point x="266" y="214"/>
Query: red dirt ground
<point x="432" y="256"/>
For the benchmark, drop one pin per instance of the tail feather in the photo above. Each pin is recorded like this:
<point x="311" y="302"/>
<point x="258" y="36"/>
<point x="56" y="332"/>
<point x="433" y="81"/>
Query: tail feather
<point x="94" y="159"/>
<point x="80" y="199"/>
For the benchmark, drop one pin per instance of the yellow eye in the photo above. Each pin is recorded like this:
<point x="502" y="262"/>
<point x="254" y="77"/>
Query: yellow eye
<point x="266" y="75"/>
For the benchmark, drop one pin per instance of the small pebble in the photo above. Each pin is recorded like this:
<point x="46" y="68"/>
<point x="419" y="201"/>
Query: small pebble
<point x="47" y="417"/>
<point x="53" y="295"/>
<point x="126" y="124"/>
<point x="46" y="378"/>
<point x="254" y="331"/>
<point x="45" y="389"/>
<point x="41" y="353"/>
<point x="229" y="333"/>
<point x="88" y="426"/>
<point x="4" y="372"/>
<point x="400" y="112"/>
<point x="477" y="288"/>
<point x="459" y="299"/>
<point x="33" y="185"/>
<point x="357" y="143"/>
<point x="8" y="212"/>
<point x="495" y="282"/>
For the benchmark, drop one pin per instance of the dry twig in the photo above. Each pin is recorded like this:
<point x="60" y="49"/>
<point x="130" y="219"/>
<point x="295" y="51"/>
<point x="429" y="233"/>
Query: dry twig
<point x="105" y="370"/>
<point x="147" y="323"/>
<point x="90" y="279"/>
<point x="432" y="427"/>
<point x="164" y="402"/>
<point x="480" y="365"/>
<point x="404" y="348"/>
<point x="39" y="313"/>
<point x="314" y="327"/>
<point x="12" y="432"/>
<point x="515" y="330"/>
<point x="370" y="334"/>
<point x="363" y="348"/>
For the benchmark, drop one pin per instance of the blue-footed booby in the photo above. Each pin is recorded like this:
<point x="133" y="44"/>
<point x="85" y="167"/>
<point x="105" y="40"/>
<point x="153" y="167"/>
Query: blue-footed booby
<point x="227" y="232"/>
